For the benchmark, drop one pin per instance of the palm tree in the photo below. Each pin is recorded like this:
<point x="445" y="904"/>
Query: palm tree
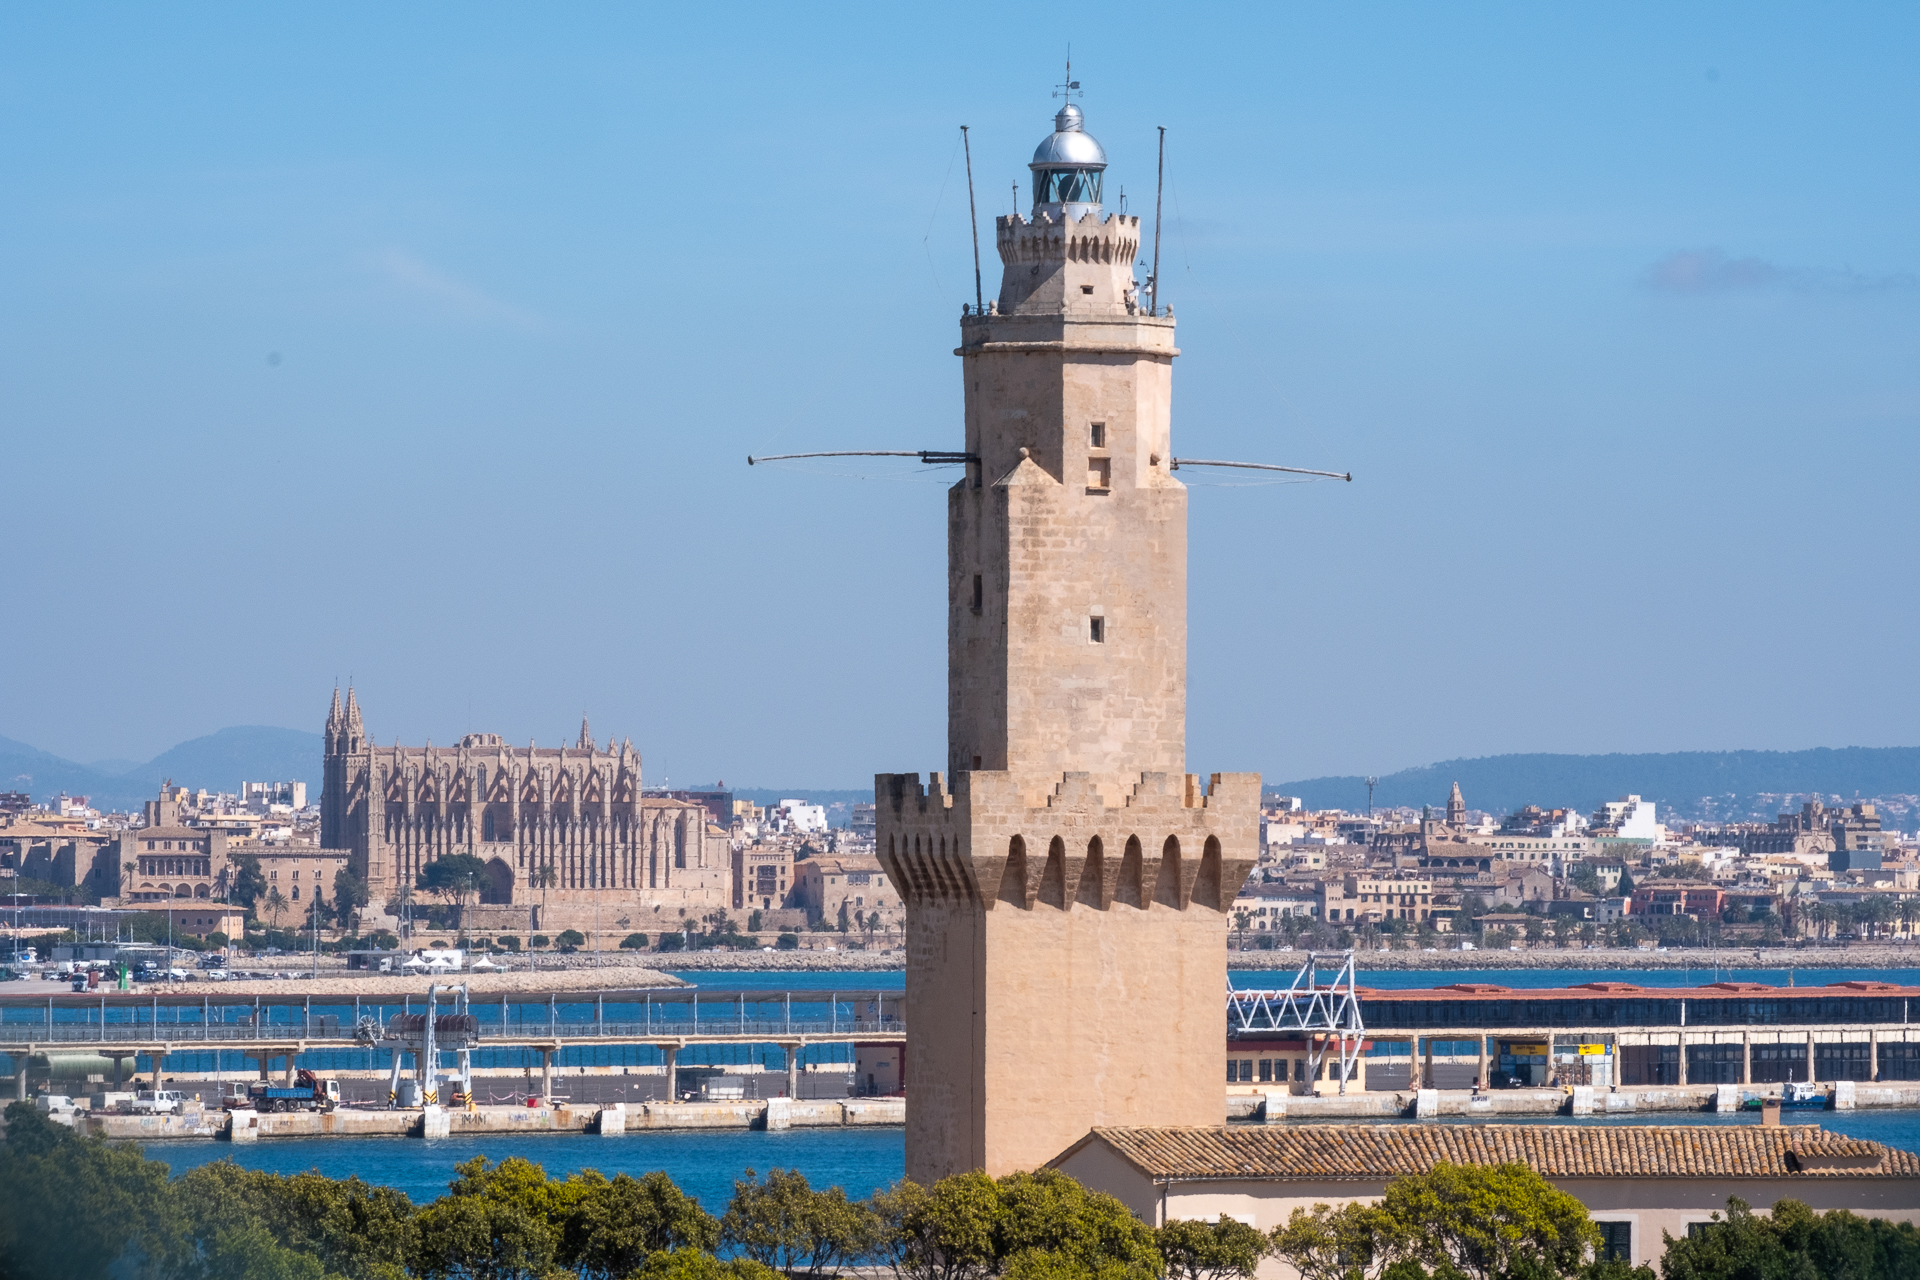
<point x="128" y="868"/>
<point x="276" y="903"/>
<point x="1240" y="919"/>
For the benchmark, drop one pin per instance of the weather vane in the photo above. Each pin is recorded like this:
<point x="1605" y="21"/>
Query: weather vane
<point x="1070" y="88"/>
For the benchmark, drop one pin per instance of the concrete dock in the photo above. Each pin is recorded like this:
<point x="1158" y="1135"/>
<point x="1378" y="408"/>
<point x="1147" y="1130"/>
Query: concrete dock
<point x="1424" y="1104"/>
<point x="613" y="1120"/>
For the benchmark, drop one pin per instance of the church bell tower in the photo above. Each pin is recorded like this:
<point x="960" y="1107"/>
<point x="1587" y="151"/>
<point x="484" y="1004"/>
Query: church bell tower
<point x="1067" y="884"/>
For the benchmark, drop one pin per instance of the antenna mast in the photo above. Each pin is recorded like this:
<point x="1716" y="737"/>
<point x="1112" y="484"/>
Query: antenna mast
<point x="1158" y="186"/>
<point x="973" y="216"/>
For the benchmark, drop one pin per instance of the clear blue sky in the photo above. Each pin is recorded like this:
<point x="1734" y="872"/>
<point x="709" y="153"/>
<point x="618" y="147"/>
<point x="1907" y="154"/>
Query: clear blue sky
<point x="423" y="345"/>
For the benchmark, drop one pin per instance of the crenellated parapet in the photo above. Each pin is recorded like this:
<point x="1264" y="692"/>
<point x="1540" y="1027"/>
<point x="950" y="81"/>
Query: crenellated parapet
<point x="1112" y="238"/>
<point x="1170" y="843"/>
<point x="1062" y="265"/>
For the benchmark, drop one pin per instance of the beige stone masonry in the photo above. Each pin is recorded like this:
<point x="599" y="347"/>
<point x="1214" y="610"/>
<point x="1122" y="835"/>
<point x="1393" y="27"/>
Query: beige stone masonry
<point x="1066" y="957"/>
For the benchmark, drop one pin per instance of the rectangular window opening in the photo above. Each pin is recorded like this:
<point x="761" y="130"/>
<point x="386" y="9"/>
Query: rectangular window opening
<point x="1097" y="436"/>
<point x="1097" y="630"/>
<point x="1100" y="474"/>
<point x="979" y="593"/>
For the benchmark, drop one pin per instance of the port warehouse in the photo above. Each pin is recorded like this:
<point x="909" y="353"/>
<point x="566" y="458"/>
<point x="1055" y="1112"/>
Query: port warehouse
<point x="1599" y="1033"/>
<point x="207" y="1033"/>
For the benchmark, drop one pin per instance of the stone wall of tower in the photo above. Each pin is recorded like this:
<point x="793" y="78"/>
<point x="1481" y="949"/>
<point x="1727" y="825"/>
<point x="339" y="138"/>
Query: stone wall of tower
<point x="1067" y="885"/>
<point x="1072" y="519"/>
<point x="1066" y="959"/>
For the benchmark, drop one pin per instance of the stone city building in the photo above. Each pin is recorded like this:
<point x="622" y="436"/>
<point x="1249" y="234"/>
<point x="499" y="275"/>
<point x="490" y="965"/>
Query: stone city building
<point x="1067" y="884"/>
<point x="564" y="831"/>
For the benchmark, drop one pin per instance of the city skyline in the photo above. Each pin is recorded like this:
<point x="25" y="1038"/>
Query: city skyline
<point x="329" y="359"/>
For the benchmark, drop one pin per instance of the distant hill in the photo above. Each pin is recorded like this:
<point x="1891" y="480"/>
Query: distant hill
<point x="219" y="762"/>
<point x="43" y="776"/>
<point x="1727" y="785"/>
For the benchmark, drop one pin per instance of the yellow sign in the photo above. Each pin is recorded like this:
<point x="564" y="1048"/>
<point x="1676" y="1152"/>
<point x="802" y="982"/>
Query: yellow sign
<point x="1594" y="1050"/>
<point x="1526" y="1048"/>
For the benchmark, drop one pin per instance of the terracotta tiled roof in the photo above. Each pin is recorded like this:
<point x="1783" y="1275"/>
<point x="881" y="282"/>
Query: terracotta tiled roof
<point x="1554" y="1151"/>
<point x="1833" y="1146"/>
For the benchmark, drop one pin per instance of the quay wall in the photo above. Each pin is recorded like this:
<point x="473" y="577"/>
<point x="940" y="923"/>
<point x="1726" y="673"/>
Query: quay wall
<point x="1409" y="1104"/>
<point x="632" y="1117"/>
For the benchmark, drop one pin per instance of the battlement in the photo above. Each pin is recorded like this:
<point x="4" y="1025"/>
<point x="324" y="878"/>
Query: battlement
<point x="1113" y="238"/>
<point x="1169" y="842"/>
<point x="1067" y="266"/>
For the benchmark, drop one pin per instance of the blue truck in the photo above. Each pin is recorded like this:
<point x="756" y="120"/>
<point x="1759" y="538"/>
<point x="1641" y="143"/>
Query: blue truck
<point x="307" y="1093"/>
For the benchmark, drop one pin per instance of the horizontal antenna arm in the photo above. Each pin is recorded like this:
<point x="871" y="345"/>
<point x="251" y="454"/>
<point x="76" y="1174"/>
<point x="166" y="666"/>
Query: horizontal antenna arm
<point x="1262" y="466"/>
<point x="925" y="455"/>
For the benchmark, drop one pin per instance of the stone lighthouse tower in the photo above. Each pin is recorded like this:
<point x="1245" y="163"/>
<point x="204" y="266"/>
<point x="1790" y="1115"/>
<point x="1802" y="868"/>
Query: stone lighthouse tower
<point x="1067" y="882"/>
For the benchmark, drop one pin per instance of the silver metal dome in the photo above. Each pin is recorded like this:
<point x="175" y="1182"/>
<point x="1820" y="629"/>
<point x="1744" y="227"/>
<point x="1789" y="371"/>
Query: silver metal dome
<point x="1070" y="145"/>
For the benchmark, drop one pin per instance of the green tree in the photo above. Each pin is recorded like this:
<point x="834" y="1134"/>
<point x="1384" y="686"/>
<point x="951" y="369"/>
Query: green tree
<point x="1049" y="1211"/>
<point x="1324" y="1243"/>
<point x="249" y="1252"/>
<point x="1455" y="1222"/>
<point x="249" y="881"/>
<point x="476" y="1238"/>
<point x="1489" y="1223"/>
<point x="75" y="1205"/>
<point x="843" y="916"/>
<point x="782" y="1222"/>
<point x="276" y="904"/>
<point x="1210" y="1250"/>
<point x="695" y="1264"/>
<point x="498" y="1222"/>
<point x="572" y="939"/>
<point x="788" y="941"/>
<point x="349" y="895"/>
<point x="614" y="1229"/>
<point x="455" y="878"/>
<point x="1795" y="1243"/>
<point x="945" y="1232"/>
<point x="346" y="1227"/>
<point x="634" y="942"/>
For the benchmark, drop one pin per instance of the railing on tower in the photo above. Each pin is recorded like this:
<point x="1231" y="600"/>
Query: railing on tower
<point x="1326" y="1014"/>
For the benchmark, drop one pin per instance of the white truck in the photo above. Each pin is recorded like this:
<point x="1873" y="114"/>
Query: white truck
<point x="158" y="1102"/>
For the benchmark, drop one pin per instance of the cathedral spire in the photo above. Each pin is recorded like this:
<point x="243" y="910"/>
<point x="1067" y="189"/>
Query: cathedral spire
<point x="586" y="735"/>
<point x="334" y="723"/>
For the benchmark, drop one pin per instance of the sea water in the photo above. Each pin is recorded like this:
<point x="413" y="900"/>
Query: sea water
<point x="703" y="1163"/>
<point x="706" y="1163"/>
